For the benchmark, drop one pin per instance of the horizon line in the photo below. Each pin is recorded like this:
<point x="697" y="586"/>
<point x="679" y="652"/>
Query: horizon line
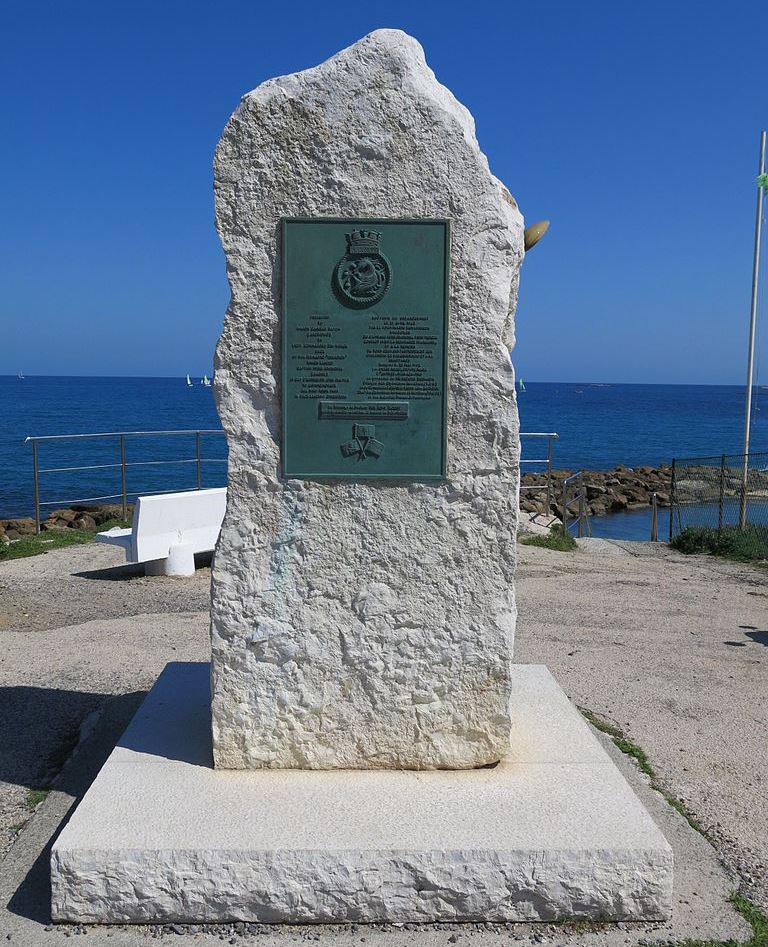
<point x="518" y="376"/>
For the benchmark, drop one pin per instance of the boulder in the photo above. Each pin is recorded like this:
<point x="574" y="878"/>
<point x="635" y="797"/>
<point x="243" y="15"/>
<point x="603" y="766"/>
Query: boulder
<point x="112" y="511"/>
<point x="24" y="526"/>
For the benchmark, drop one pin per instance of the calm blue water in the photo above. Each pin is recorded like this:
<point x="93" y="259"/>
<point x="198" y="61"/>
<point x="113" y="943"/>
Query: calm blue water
<point x="599" y="427"/>
<point x="41" y="405"/>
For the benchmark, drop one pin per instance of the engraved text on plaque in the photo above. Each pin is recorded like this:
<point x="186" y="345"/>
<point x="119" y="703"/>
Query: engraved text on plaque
<point x="365" y="330"/>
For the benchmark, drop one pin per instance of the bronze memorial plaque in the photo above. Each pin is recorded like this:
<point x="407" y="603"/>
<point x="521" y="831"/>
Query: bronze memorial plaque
<point x="365" y="336"/>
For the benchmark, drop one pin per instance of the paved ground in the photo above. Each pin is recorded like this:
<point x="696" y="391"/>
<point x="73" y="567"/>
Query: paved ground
<point x="671" y="649"/>
<point x="674" y="650"/>
<point x="76" y="584"/>
<point x="68" y="641"/>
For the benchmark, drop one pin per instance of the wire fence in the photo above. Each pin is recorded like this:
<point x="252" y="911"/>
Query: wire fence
<point x="727" y="494"/>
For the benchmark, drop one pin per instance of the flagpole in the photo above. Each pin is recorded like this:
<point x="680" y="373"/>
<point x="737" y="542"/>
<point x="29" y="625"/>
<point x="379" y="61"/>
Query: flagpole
<point x="751" y="352"/>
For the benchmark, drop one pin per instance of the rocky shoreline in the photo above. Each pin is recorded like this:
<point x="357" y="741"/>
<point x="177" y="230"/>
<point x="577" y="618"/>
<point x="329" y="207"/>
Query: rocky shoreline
<point x="608" y="491"/>
<point x="81" y="516"/>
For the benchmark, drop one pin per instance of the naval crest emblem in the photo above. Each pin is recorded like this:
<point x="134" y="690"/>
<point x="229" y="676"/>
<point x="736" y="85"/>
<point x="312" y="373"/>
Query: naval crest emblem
<point x="363" y="274"/>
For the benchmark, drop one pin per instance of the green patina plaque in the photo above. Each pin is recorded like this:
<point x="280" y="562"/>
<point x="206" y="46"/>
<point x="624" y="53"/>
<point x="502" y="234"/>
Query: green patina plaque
<point x="365" y="335"/>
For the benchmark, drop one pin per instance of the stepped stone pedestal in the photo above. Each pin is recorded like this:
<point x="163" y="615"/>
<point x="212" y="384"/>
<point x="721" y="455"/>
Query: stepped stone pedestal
<point x="553" y="831"/>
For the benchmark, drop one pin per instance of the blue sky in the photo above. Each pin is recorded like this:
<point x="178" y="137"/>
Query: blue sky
<point x="633" y="126"/>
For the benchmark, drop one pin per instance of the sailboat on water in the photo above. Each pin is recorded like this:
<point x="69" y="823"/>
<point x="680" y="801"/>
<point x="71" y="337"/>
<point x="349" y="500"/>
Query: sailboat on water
<point x="20" y="376"/>
<point x="189" y="381"/>
<point x="521" y="385"/>
<point x="206" y="382"/>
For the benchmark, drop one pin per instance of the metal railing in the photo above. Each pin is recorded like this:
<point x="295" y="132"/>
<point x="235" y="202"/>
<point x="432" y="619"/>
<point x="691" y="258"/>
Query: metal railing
<point x="122" y="465"/>
<point x="575" y="495"/>
<point x="547" y="485"/>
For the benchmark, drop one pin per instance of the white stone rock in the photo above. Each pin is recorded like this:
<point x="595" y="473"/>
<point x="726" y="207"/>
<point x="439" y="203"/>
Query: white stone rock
<point x="364" y="625"/>
<point x="538" y="524"/>
<point x="552" y="832"/>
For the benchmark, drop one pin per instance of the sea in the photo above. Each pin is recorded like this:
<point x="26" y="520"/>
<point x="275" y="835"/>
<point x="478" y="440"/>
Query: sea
<point x="598" y="427"/>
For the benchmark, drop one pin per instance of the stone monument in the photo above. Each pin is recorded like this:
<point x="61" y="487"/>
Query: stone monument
<point x="363" y="609"/>
<point x="363" y="605"/>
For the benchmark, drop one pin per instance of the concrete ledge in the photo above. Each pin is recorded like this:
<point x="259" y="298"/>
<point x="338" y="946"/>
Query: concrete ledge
<point x="553" y="831"/>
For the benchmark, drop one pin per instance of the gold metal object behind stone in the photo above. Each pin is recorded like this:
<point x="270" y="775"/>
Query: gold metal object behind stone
<point x="534" y="233"/>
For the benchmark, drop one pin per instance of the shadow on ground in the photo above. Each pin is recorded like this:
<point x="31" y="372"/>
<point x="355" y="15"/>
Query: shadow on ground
<point x="750" y="631"/>
<point x="761" y="637"/>
<point x="39" y="728"/>
<point x="757" y="635"/>
<point x="113" y="573"/>
<point x="135" y="570"/>
<point x="32" y="899"/>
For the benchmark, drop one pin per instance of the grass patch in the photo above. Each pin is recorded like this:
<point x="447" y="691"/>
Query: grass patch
<point x="744" y="545"/>
<point x="557" y="538"/>
<point x="44" y="542"/>
<point x="111" y="524"/>
<point x="752" y="915"/>
<point x="639" y="755"/>
<point x="749" y="911"/>
<point x="53" y="539"/>
<point x="34" y="797"/>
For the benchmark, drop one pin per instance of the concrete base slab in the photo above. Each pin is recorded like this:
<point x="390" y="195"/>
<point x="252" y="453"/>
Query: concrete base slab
<point x="553" y="831"/>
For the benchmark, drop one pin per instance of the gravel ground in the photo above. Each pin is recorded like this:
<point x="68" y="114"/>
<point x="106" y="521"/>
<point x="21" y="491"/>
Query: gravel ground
<point x="57" y="668"/>
<point x="671" y="649"/>
<point x="78" y="583"/>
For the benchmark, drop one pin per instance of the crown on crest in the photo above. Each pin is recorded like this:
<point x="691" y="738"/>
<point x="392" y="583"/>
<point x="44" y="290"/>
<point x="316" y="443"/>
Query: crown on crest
<point x="363" y="241"/>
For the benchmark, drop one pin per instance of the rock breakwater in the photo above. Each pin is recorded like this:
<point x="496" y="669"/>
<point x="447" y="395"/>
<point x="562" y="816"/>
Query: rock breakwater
<point x="81" y="516"/>
<point x="608" y="491"/>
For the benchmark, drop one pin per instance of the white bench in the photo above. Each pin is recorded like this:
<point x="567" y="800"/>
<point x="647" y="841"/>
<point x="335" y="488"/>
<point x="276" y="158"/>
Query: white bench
<point x="169" y="528"/>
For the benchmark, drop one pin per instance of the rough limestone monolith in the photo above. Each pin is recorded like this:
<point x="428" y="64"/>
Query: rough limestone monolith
<point x="364" y="625"/>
